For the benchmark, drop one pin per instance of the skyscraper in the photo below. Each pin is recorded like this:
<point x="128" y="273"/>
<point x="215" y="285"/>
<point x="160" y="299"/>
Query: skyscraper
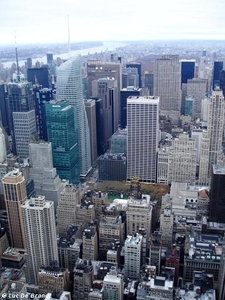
<point x="218" y="66"/>
<point x="187" y="70"/>
<point x="215" y="126"/>
<point x="138" y="67"/>
<point x="64" y="138"/>
<point x="167" y="87"/>
<point x="113" y="285"/>
<point x="40" y="233"/>
<point x="2" y="147"/>
<point x="39" y="76"/>
<point x="142" y="137"/>
<point x="22" y="114"/>
<point x="91" y="115"/>
<point x="14" y="187"/>
<point x="97" y="69"/>
<point x="69" y="87"/>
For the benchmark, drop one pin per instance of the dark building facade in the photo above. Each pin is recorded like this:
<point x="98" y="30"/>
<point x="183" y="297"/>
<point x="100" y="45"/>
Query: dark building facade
<point x="138" y="66"/>
<point x="112" y="167"/>
<point x="4" y="109"/>
<point x="124" y="94"/>
<point x="39" y="76"/>
<point x="187" y="71"/>
<point x="222" y="81"/>
<point x="101" y="146"/>
<point x="149" y="83"/>
<point x="42" y="96"/>
<point x="218" y="66"/>
<point x="217" y="195"/>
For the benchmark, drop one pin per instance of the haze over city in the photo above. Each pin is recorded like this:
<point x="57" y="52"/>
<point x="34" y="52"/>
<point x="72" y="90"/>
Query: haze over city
<point x="47" y="21"/>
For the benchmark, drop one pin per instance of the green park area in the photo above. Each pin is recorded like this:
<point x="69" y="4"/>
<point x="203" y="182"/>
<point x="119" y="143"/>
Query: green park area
<point x="116" y="188"/>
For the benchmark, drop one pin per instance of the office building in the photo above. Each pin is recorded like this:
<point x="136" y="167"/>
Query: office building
<point x="85" y="212"/>
<point x="130" y="77"/>
<point x="125" y="93"/>
<point x="139" y="215"/>
<point x="41" y="171"/>
<point x="112" y="167"/>
<point x="133" y="251"/>
<point x="202" y="252"/>
<point x="166" y="226"/>
<point x="149" y="83"/>
<point x="91" y="116"/>
<point x="110" y="229"/>
<point x="173" y="261"/>
<point x="163" y="160"/>
<point x="69" y="87"/>
<point x="83" y="279"/>
<point x="113" y="285"/>
<point x="41" y="96"/>
<point x="183" y="161"/>
<point x="142" y="138"/>
<point x="167" y="85"/>
<point x="188" y="106"/>
<point x="217" y="68"/>
<point x="4" y="109"/>
<point x="14" y="187"/>
<point x="222" y="81"/>
<point x="90" y="243"/>
<point x="53" y="278"/>
<point x="2" y="147"/>
<point x="215" y="126"/>
<point x="39" y="223"/>
<point x="187" y="70"/>
<point x="205" y="109"/>
<point x="22" y="115"/>
<point x="203" y="176"/>
<point x="49" y="58"/>
<point x="97" y="69"/>
<point x="118" y="142"/>
<point x="70" y="248"/>
<point x="28" y="63"/>
<point x="217" y="194"/>
<point x="196" y="90"/>
<point x="221" y="277"/>
<point x="106" y="89"/>
<point x="63" y="135"/>
<point x="138" y="67"/>
<point x="66" y="210"/>
<point x="39" y="76"/>
<point x="155" y="250"/>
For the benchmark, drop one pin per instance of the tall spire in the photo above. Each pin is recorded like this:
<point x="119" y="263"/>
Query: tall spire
<point x="17" y="62"/>
<point x="68" y="35"/>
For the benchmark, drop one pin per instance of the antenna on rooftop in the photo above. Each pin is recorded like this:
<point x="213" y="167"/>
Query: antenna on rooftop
<point x="17" y="62"/>
<point x="68" y="17"/>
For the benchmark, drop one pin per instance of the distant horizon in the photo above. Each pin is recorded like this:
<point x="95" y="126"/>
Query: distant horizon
<point x="115" y="41"/>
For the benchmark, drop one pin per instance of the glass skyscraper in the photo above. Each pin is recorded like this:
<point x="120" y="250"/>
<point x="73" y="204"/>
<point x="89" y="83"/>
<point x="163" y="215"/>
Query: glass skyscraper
<point x="64" y="138"/>
<point x="69" y="87"/>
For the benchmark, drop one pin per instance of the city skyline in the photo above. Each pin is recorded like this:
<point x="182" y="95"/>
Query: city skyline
<point x="163" y="20"/>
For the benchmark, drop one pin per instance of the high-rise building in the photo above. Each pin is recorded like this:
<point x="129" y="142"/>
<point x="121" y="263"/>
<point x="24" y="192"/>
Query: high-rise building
<point x="49" y="58"/>
<point x="63" y="135"/>
<point x="14" y="187"/>
<point x="217" y="194"/>
<point x="83" y="279"/>
<point x="215" y="126"/>
<point x="196" y="90"/>
<point x="97" y="69"/>
<point x="4" y="109"/>
<point x="130" y="77"/>
<point x="138" y="67"/>
<point x="69" y="87"/>
<point x="149" y="83"/>
<point x="28" y="63"/>
<point x="66" y="210"/>
<point x="39" y="223"/>
<point x="133" y="251"/>
<point x="39" y="76"/>
<point x="22" y="114"/>
<point x="46" y="180"/>
<point x="222" y="81"/>
<point x="217" y="68"/>
<point x="167" y="86"/>
<point x="187" y="70"/>
<point x="129" y="91"/>
<point x="118" y="142"/>
<point x="113" y="285"/>
<point x="166" y="226"/>
<point x="142" y="137"/>
<point x="2" y="147"/>
<point x="90" y="243"/>
<point x="91" y="116"/>
<point x="41" y="96"/>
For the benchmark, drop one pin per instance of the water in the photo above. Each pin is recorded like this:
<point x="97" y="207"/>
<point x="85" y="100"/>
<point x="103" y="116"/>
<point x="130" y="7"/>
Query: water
<point x="109" y="46"/>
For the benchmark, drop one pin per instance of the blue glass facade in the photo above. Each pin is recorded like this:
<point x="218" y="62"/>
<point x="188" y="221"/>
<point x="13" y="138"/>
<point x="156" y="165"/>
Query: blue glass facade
<point x="64" y="138"/>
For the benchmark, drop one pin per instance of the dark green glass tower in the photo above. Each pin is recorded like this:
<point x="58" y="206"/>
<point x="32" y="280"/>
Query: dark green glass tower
<point x="62" y="133"/>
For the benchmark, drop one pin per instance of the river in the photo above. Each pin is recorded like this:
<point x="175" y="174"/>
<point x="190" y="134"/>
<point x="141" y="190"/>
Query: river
<point x="109" y="46"/>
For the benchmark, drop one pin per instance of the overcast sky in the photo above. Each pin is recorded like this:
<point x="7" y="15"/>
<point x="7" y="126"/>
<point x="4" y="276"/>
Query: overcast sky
<point x="44" y="21"/>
